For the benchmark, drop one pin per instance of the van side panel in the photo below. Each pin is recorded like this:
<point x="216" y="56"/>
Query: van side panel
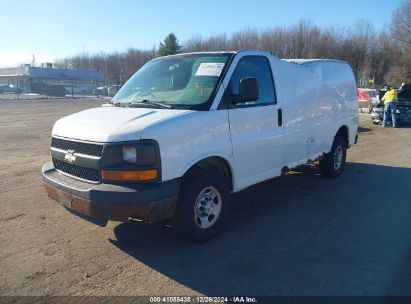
<point x="301" y="89"/>
<point x="337" y="103"/>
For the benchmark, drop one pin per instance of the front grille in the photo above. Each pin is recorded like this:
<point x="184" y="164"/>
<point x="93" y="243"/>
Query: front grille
<point x="78" y="147"/>
<point x="89" y="174"/>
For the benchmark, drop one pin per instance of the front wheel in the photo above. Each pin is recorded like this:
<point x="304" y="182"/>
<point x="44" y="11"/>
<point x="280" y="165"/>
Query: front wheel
<point x="333" y="163"/>
<point x="203" y="205"/>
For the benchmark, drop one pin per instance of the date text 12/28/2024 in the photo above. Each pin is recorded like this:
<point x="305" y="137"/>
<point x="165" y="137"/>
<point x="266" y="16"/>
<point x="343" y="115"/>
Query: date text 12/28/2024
<point x="202" y="299"/>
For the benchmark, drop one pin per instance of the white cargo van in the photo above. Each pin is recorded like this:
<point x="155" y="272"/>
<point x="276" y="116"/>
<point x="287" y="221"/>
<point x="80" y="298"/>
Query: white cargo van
<point x="188" y="130"/>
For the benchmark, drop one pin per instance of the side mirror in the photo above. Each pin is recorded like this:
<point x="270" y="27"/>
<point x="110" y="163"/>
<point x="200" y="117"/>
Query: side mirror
<point x="248" y="90"/>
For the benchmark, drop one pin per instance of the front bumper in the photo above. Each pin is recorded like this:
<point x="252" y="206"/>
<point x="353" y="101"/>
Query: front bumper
<point x="149" y="202"/>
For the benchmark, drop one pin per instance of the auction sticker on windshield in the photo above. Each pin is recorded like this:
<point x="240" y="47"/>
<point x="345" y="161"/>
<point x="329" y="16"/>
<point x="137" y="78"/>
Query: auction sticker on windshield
<point x="210" y="69"/>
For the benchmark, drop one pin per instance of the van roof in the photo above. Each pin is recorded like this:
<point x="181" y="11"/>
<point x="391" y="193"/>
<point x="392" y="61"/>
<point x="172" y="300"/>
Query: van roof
<point x="297" y="61"/>
<point x="304" y="61"/>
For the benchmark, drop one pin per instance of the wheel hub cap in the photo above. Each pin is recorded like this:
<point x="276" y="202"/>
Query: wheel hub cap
<point x="207" y="207"/>
<point x="338" y="157"/>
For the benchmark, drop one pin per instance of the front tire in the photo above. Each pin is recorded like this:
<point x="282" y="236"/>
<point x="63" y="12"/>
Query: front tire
<point x="203" y="206"/>
<point x="333" y="163"/>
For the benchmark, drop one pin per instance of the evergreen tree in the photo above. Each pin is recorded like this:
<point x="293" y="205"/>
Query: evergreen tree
<point x="170" y="45"/>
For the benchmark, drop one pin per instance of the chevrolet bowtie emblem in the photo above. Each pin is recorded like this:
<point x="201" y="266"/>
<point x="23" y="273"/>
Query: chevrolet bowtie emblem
<point x="70" y="157"/>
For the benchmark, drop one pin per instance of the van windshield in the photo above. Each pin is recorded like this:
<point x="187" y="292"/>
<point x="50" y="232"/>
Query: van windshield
<point x="182" y="81"/>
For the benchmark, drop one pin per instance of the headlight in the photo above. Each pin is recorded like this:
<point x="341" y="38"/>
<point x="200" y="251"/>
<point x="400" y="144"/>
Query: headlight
<point x="137" y="161"/>
<point x="130" y="154"/>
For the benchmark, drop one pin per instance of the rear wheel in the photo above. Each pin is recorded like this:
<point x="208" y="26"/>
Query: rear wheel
<point x="333" y="163"/>
<point x="203" y="206"/>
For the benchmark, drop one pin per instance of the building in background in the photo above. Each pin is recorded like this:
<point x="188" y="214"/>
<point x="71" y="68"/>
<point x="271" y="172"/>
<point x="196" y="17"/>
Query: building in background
<point x="48" y="81"/>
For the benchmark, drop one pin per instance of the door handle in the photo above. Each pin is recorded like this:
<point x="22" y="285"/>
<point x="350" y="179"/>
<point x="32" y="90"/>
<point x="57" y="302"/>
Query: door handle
<point x="280" y="117"/>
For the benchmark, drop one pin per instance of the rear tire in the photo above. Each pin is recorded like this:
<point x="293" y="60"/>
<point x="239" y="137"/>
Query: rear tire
<point x="203" y="205"/>
<point x="333" y="163"/>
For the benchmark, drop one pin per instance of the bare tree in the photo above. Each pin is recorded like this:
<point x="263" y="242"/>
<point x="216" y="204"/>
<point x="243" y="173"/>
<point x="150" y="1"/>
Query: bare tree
<point x="401" y="23"/>
<point x="382" y="56"/>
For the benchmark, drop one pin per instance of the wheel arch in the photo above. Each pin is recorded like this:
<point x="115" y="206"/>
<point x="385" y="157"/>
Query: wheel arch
<point x="211" y="163"/>
<point x="344" y="133"/>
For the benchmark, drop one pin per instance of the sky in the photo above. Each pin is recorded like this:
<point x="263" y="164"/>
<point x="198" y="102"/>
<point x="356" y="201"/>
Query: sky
<point x="52" y="29"/>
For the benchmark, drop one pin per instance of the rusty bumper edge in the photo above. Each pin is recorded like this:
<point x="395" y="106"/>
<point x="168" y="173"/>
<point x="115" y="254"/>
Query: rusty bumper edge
<point x="148" y="213"/>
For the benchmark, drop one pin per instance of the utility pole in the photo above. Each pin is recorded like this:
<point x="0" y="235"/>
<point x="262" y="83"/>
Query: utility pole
<point x="372" y="92"/>
<point x="18" y="89"/>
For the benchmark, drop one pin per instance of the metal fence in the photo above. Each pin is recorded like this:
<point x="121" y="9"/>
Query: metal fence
<point x="52" y="91"/>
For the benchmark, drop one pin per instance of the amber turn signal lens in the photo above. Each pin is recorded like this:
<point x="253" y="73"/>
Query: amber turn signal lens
<point x="130" y="176"/>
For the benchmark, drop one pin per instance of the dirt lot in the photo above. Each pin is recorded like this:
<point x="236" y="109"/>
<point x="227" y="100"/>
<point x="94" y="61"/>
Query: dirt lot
<point x="299" y="234"/>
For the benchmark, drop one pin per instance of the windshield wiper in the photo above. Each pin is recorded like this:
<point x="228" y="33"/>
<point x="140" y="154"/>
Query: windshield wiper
<point x="149" y="103"/>
<point x="117" y="104"/>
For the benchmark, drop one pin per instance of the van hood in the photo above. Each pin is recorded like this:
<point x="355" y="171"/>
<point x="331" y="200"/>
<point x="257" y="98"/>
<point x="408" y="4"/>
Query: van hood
<point x="111" y="124"/>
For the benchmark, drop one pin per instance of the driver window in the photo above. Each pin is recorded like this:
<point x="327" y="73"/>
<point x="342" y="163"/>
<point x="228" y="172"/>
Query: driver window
<point x="257" y="67"/>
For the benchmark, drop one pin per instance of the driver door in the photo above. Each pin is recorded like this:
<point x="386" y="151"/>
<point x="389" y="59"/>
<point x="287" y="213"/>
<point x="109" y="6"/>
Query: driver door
<point x="255" y="127"/>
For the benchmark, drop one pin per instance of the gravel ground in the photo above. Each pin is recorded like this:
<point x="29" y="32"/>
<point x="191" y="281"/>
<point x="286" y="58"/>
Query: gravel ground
<point x="299" y="234"/>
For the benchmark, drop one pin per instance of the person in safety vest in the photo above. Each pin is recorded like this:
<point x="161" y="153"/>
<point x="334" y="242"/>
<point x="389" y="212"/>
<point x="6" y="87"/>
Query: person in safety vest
<point x="390" y="106"/>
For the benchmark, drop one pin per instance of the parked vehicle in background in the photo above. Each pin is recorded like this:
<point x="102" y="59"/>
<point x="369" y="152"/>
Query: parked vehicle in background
<point x="366" y="98"/>
<point x="403" y="106"/>
<point x="364" y="95"/>
<point x="78" y="90"/>
<point x="101" y="91"/>
<point x="112" y="90"/>
<point x="8" y="88"/>
<point x="188" y="130"/>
